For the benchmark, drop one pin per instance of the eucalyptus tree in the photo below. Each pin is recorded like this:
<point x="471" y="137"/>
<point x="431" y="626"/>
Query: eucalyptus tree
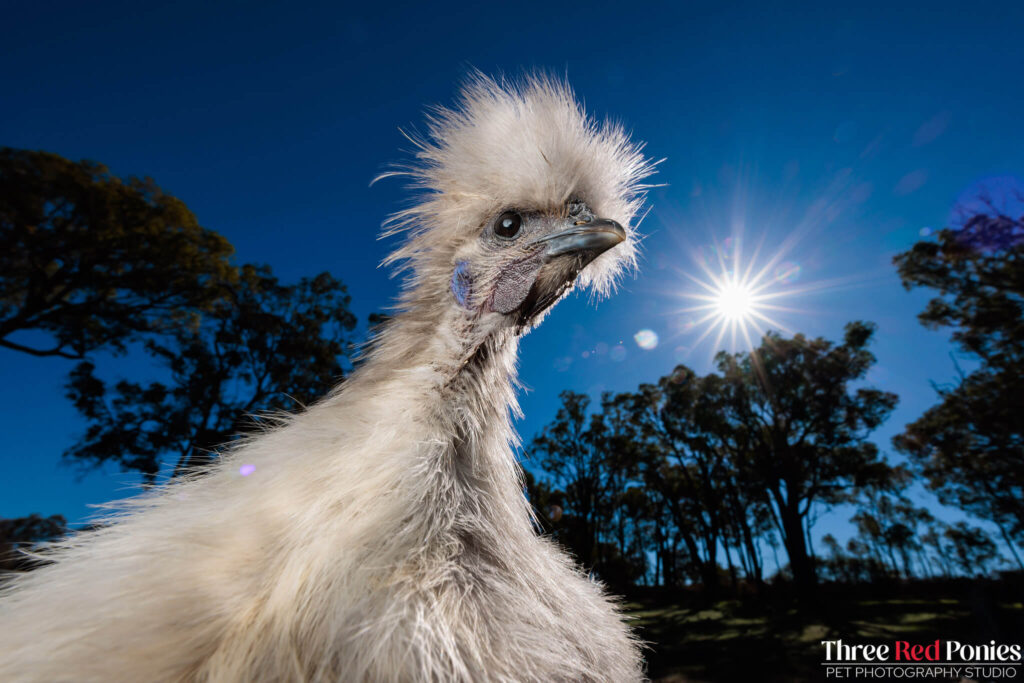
<point x="969" y="445"/>
<point x="591" y="459"/>
<point x="973" y="550"/>
<point x="687" y="463"/>
<point x="263" y="346"/>
<point x="804" y="427"/>
<point x="89" y="261"/>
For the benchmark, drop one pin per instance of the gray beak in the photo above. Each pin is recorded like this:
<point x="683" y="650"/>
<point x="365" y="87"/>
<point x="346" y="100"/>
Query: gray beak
<point x="589" y="239"/>
<point x="561" y="257"/>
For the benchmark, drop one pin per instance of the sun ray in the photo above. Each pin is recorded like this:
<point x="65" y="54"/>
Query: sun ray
<point x="711" y="328"/>
<point x="784" y="309"/>
<point x="746" y="337"/>
<point x="718" y="339"/>
<point x="772" y="322"/>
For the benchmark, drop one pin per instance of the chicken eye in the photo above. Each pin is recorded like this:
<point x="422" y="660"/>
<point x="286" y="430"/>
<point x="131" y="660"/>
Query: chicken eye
<point x="508" y="224"/>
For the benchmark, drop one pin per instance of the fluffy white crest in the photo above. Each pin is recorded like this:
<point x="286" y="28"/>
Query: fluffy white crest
<point x="524" y="145"/>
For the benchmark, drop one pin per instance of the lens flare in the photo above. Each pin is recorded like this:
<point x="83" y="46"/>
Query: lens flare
<point x="787" y="271"/>
<point x="646" y="339"/>
<point x="562" y="364"/>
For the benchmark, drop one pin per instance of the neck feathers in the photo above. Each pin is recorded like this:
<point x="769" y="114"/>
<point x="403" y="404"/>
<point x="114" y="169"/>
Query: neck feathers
<point x="461" y="390"/>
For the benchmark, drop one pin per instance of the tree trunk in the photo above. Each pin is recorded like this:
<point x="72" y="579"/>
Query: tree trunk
<point x="796" y="547"/>
<point x="1009" y="544"/>
<point x="756" y="569"/>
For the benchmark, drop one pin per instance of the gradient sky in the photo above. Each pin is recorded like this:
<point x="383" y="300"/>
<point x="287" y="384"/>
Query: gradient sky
<point x="831" y="136"/>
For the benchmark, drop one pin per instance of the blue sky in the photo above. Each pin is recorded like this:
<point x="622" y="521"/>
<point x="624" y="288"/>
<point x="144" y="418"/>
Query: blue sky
<point x="833" y="134"/>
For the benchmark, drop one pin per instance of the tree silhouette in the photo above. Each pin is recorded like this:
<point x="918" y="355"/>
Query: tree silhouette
<point x="803" y="430"/>
<point x="888" y="524"/>
<point x="971" y="444"/>
<point x="261" y="346"/>
<point x="688" y="467"/>
<point x="973" y="549"/>
<point x="93" y="261"/>
<point x="703" y="469"/>
<point x="591" y="461"/>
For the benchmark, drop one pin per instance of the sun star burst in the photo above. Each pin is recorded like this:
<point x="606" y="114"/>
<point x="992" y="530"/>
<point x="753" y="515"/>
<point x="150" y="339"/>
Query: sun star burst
<point x="736" y="300"/>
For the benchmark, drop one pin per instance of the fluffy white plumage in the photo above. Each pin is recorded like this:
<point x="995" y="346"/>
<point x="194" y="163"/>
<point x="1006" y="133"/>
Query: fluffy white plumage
<point x="383" y="534"/>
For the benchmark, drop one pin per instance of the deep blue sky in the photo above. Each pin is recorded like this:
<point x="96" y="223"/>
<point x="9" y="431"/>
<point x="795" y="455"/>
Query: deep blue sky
<point x="839" y="133"/>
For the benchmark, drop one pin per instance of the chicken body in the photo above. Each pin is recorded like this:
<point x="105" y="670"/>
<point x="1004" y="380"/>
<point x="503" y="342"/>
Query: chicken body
<point x="372" y="541"/>
<point x="382" y="534"/>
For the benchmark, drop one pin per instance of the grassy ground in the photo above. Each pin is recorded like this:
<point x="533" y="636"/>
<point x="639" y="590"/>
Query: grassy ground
<point x="769" y="639"/>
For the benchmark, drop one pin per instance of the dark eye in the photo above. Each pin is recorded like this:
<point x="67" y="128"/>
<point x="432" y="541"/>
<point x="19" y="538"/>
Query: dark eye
<point x="508" y="224"/>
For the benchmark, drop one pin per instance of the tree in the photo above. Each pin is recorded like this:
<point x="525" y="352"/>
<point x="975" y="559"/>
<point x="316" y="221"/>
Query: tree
<point x="262" y="346"/>
<point x="688" y="467"/>
<point x="978" y="272"/>
<point x="888" y="523"/>
<point x="800" y="430"/>
<point x="973" y="549"/>
<point x="860" y="565"/>
<point x="591" y="460"/>
<point x="970" y="445"/>
<point x="92" y="260"/>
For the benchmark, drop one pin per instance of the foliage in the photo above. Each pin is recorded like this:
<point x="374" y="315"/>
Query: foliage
<point x="970" y="445"/>
<point x="262" y="346"/>
<point x="893" y="537"/>
<point x="700" y="469"/>
<point x="689" y="469"/>
<point x="800" y="429"/>
<point x="590" y="458"/>
<point x="93" y="261"/>
<point x="973" y="549"/>
<point x="978" y="273"/>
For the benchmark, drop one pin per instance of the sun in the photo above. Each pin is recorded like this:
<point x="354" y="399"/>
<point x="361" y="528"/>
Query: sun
<point x="738" y="299"/>
<point x="735" y="301"/>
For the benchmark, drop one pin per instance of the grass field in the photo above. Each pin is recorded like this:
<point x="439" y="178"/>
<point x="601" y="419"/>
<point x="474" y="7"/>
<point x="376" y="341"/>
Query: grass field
<point x="769" y="639"/>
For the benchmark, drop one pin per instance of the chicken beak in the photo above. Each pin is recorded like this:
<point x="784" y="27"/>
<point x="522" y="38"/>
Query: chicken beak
<point x="587" y="240"/>
<point x="562" y="256"/>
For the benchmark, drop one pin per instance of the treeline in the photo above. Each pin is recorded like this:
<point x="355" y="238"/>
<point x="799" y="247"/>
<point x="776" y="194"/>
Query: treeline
<point x="697" y="479"/>
<point x="689" y="480"/>
<point x="710" y="479"/>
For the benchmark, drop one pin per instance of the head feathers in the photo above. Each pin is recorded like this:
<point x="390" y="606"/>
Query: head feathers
<point x="527" y="145"/>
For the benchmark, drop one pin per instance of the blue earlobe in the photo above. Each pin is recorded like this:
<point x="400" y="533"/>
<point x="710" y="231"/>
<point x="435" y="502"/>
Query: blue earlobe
<point x="462" y="283"/>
